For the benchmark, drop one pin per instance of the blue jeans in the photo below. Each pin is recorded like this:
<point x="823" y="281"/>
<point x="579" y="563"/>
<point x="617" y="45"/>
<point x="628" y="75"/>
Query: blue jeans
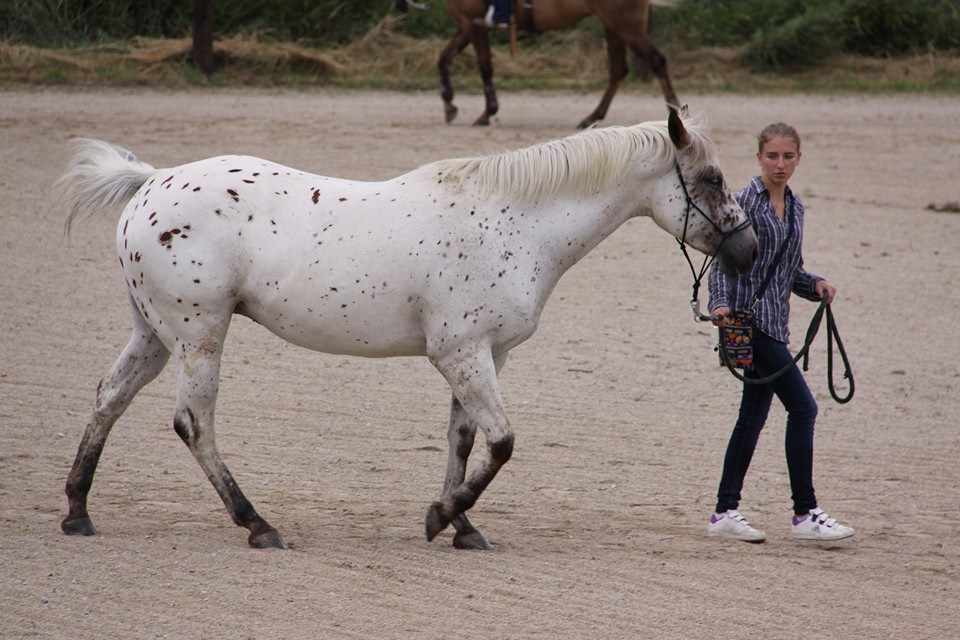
<point x="502" y="10"/>
<point x="791" y="389"/>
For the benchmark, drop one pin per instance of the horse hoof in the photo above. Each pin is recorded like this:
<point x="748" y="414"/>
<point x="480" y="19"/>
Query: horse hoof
<point x="78" y="527"/>
<point x="450" y="113"/>
<point x="435" y="521"/>
<point x="268" y="539"/>
<point x="472" y="540"/>
<point x="482" y="121"/>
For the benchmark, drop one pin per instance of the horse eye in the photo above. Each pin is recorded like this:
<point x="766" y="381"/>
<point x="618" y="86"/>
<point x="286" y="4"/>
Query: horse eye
<point x="715" y="181"/>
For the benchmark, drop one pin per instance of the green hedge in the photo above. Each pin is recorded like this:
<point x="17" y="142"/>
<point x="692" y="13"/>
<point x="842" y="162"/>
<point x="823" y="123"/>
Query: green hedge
<point x="783" y="33"/>
<point x="320" y="22"/>
<point x="771" y="33"/>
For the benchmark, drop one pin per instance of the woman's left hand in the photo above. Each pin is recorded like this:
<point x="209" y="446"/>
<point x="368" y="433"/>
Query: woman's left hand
<point x="825" y="290"/>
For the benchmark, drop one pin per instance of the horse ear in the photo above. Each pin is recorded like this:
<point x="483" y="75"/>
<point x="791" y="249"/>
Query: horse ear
<point x="678" y="133"/>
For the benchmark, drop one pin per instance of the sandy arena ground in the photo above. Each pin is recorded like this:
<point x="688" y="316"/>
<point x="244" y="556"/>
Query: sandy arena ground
<point x="621" y="413"/>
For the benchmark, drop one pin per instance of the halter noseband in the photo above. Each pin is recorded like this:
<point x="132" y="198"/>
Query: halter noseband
<point x="707" y="260"/>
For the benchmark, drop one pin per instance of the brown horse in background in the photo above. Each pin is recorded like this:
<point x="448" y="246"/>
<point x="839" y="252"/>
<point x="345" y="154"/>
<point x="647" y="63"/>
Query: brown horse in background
<point x="625" y="23"/>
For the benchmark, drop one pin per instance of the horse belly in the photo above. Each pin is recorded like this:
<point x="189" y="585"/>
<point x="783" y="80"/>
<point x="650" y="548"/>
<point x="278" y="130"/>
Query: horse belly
<point x="346" y="297"/>
<point x="375" y="327"/>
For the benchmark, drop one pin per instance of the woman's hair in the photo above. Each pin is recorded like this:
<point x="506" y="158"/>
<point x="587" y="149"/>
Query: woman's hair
<point x="777" y="129"/>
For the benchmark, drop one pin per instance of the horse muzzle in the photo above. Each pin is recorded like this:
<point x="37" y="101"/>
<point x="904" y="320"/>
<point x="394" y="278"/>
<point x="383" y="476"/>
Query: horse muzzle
<point x="737" y="252"/>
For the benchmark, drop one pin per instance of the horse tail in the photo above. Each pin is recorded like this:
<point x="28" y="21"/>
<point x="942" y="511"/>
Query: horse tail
<point x="100" y="176"/>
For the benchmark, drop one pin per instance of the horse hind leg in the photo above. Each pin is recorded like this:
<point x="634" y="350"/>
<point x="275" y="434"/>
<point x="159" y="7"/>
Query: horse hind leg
<point x="481" y="45"/>
<point x="617" y="68"/>
<point x="645" y="49"/>
<point x="457" y="44"/>
<point x="140" y="362"/>
<point x="198" y="380"/>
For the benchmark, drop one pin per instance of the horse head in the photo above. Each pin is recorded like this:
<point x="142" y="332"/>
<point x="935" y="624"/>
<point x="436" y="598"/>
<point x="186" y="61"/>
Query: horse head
<point x="696" y="205"/>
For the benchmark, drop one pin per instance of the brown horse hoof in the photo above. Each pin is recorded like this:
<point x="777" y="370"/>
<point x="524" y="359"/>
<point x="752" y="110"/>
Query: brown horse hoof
<point x="472" y="540"/>
<point x="435" y="521"/>
<point x="268" y="539"/>
<point x="482" y="121"/>
<point x="450" y="113"/>
<point x="78" y="527"/>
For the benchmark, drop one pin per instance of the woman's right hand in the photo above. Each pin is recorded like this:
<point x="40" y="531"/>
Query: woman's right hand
<point x="720" y="316"/>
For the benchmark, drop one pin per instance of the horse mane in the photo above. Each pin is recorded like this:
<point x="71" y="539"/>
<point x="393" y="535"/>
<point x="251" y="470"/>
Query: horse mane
<point x="582" y="164"/>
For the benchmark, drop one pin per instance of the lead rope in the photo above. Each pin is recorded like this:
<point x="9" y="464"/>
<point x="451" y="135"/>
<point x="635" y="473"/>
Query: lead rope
<point x="812" y="330"/>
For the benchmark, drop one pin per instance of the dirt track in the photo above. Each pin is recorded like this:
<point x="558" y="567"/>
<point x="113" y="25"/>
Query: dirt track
<point x="620" y="411"/>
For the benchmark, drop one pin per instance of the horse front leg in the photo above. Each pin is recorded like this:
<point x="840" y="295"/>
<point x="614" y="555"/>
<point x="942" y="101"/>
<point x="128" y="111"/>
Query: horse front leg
<point x="198" y="380"/>
<point x="481" y="45"/>
<point x="644" y="48"/>
<point x="140" y="362"/>
<point x="617" y="67"/>
<point x="457" y="44"/>
<point x="460" y="436"/>
<point x="472" y="375"/>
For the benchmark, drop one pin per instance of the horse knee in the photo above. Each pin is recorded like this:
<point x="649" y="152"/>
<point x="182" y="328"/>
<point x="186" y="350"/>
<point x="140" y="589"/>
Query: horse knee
<point x="501" y="449"/>
<point x="109" y="403"/>
<point x="185" y="425"/>
<point x="462" y="438"/>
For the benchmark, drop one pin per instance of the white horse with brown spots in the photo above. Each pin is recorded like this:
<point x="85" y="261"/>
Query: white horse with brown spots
<point x="453" y="261"/>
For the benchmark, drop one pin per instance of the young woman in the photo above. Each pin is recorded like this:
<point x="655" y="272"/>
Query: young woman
<point x="777" y="216"/>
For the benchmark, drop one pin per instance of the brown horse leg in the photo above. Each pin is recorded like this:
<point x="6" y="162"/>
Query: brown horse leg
<point x="644" y="48"/>
<point x="457" y="44"/>
<point x="617" y="66"/>
<point x="481" y="45"/>
<point x="142" y="359"/>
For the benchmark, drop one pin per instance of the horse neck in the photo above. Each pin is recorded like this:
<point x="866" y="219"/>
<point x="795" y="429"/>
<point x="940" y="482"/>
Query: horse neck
<point x="569" y="229"/>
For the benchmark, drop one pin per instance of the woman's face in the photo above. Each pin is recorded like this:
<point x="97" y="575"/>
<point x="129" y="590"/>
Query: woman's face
<point x="778" y="158"/>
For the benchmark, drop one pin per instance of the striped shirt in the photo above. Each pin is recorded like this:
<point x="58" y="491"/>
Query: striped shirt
<point x="738" y="292"/>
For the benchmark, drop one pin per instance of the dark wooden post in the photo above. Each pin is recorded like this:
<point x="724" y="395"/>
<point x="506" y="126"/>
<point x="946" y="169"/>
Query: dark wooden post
<point x="203" y="35"/>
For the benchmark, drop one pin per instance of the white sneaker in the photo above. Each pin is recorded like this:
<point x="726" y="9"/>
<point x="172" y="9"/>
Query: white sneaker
<point x="734" y="526"/>
<point x="817" y="525"/>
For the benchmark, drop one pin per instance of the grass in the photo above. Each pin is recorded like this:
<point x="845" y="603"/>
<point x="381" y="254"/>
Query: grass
<point x="384" y="59"/>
